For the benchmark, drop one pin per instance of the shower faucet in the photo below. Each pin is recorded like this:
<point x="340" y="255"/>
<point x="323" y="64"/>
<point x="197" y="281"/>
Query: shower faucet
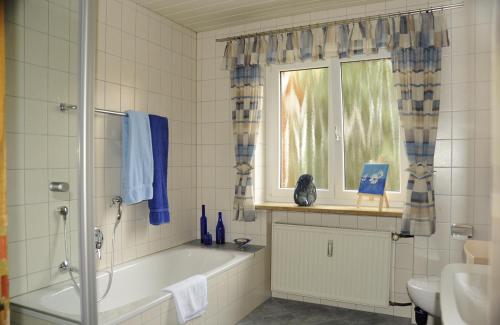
<point x="99" y="239"/>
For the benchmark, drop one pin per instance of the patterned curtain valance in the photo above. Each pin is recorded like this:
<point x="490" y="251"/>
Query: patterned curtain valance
<point x="421" y="30"/>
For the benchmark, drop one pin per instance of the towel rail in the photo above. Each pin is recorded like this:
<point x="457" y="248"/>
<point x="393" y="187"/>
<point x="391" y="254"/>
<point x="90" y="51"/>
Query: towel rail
<point x="105" y="111"/>
<point x="69" y="107"/>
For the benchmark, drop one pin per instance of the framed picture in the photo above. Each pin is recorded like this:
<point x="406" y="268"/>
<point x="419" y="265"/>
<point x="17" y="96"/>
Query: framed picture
<point x="373" y="179"/>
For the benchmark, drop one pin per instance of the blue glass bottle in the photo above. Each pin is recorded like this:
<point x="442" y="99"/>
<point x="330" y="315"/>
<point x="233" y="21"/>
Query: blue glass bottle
<point x="220" y="234"/>
<point x="203" y="224"/>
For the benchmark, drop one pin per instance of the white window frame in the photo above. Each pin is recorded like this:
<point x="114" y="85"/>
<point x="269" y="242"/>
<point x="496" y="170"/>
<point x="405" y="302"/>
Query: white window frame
<point x="274" y="192"/>
<point x="335" y="194"/>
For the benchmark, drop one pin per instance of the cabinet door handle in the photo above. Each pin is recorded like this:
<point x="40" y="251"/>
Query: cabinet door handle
<point x="329" y="251"/>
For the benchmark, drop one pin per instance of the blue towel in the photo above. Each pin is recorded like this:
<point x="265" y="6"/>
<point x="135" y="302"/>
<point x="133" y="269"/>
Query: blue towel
<point x="137" y="158"/>
<point x="158" y="206"/>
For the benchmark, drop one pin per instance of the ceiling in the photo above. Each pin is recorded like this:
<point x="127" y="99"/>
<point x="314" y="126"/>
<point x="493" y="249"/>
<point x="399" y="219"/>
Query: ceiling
<point x="204" y="15"/>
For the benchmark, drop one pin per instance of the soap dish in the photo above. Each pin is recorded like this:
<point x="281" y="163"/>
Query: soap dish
<point x="241" y="242"/>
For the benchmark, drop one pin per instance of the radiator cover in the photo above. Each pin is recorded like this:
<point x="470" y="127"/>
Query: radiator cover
<point x="346" y="265"/>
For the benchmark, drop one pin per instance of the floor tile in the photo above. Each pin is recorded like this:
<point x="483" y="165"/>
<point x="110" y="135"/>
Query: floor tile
<point x="290" y="312"/>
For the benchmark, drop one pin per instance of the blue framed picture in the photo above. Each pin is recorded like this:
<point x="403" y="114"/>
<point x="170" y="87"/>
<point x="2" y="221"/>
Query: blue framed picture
<point x="373" y="179"/>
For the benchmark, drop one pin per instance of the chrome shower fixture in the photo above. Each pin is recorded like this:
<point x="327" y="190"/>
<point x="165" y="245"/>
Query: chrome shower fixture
<point x="58" y="186"/>
<point x="67" y="107"/>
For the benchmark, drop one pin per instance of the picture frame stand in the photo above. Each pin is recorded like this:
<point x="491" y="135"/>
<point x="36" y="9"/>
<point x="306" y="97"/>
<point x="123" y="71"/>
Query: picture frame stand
<point x="383" y="200"/>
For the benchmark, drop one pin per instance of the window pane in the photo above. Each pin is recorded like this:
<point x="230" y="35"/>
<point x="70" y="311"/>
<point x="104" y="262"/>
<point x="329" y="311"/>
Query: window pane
<point x="304" y="126"/>
<point x="371" y="120"/>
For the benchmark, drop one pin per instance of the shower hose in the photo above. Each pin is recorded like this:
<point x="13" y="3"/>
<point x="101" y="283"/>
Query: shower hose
<point x="115" y="200"/>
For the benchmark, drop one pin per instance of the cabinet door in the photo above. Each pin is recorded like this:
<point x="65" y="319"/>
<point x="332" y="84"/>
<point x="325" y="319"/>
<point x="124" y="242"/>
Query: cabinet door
<point x="359" y="269"/>
<point x="299" y="257"/>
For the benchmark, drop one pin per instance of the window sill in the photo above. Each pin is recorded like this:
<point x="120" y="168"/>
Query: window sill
<point x="333" y="209"/>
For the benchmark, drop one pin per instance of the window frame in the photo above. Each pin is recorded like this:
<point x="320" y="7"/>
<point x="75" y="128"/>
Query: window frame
<point x="335" y="194"/>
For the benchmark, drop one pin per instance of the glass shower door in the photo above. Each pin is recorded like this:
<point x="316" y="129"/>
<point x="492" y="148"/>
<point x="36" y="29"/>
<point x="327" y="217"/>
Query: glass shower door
<point x="44" y="120"/>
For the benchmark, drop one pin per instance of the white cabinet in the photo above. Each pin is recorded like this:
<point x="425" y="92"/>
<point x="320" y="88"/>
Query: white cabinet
<point x="332" y="263"/>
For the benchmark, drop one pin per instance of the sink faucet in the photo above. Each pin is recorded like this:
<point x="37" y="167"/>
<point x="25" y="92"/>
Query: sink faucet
<point x="99" y="239"/>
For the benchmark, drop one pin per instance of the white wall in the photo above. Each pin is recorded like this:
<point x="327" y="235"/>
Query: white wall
<point x="463" y="167"/>
<point x="146" y="63"/>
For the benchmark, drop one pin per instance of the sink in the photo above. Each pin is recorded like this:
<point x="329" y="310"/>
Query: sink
<point x="477" y="251"/>
<point x="464" y="297"/>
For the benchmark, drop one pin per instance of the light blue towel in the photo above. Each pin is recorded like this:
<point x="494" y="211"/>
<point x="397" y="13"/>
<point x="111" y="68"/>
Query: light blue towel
<point x="137" y="158"/>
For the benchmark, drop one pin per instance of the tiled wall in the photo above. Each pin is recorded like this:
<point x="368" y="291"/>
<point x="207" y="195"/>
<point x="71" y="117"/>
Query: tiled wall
<point x="463" y="167"/>
<point x="42" y="71"/>
<point x="463" y="172"/>
<point x="144" y="63"/>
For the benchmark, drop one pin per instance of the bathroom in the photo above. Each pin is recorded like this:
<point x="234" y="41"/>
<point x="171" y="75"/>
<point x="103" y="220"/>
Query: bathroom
<point x="76" y="70"/>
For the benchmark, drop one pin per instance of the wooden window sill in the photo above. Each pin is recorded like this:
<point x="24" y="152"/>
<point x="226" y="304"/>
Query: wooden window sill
<point x="333" y="209"/>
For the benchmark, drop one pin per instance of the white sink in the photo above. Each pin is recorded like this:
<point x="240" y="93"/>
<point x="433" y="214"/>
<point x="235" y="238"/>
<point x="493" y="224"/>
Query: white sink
<point x="464" y="294"/>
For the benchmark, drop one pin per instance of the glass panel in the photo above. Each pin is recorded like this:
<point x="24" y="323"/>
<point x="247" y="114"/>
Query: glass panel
<point x="42" y="66"/>
<point x="371" y="120"/>
<point x="304" y="126"/>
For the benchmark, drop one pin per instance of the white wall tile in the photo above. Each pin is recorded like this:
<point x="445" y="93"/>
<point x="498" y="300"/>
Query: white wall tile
<point x="463" y="153"/>
<point x="37" y="47"/>
<point x="114" y="13"/>
<point x="58" y="55"/>
<point x="58" y="21"/>
<point x="17" y="223"/>
<point x="36" y="82"/>
<point x="442" y="156"/>
<point x="113" y="41"/>
<point x="37" y="15"/>
<point x="37" y="221"/>
<point x="36" y="151"/>
<point x="37" y="253"/>
<point x="483" y="153"/>
<point x="463" y="125"/>
<point x="17" y="266"/>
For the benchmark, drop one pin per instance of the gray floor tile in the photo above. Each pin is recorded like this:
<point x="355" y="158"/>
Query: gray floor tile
<point x="289" y="312"/>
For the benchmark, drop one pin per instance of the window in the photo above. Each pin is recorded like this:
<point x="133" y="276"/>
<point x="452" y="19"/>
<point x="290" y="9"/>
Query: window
<point x="370" y="120"/>
<point x="304" y="126"/>
<point x="327" y="119"/>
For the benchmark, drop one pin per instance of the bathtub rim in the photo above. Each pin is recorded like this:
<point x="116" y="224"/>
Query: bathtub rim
<point x="114" y="316"/>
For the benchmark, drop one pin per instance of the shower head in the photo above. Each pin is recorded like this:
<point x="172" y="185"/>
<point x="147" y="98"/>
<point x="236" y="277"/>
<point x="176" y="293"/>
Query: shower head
<point x="117" y="200"/>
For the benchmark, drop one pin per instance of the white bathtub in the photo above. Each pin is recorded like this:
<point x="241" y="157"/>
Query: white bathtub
<point x="136" y="285"/>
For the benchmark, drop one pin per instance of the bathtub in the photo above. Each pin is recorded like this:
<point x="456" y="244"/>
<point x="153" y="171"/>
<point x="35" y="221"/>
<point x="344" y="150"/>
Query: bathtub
<point x="136" y="285"/>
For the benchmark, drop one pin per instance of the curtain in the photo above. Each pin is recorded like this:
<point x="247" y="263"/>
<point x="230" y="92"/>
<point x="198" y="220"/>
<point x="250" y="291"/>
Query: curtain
<point x="415" y="43"/>
<point x="339" y="40"/>
<point x="247" y="88"/>
<point x="416" y="64"/>
<point x="4" y="280"/>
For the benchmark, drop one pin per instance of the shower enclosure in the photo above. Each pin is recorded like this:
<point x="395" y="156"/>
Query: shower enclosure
<point x="50" y="64"/>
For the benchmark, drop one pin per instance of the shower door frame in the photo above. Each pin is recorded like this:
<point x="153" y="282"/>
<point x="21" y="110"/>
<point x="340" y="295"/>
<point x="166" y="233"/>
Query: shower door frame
<point x="88" y="36"/>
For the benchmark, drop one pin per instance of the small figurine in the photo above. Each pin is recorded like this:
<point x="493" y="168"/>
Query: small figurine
<point x="305" y="191"/>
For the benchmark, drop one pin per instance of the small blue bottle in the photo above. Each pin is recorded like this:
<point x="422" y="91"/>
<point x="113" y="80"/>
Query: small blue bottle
<point x="220" y="234"/>
<point x="203" y="224"/>
<point x="208" y="239"/>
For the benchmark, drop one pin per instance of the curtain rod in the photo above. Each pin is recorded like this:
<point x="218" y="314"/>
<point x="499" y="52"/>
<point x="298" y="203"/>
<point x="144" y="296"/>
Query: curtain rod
<point x="344" y="21"/>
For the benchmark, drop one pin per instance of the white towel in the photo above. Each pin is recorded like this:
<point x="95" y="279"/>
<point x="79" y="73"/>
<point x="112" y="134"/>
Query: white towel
<point x="190" y="296"/>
